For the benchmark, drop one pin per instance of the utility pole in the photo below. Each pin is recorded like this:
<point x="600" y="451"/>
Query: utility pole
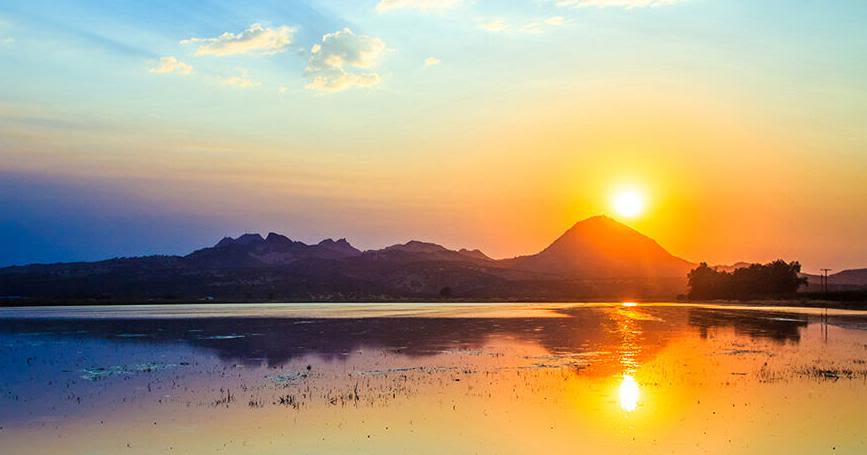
<point x="825" y="296"/>
<point x="825" y="280"/>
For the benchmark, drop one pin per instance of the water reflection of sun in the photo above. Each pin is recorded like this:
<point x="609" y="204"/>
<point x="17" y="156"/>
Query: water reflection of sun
<point x="630" y="332"/>
<point x="628" y="393"/>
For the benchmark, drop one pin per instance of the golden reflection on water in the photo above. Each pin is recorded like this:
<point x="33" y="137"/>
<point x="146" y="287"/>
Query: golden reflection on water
<point x="629" y="348"/>
<point x="628" y="393"/>
<point x="630" y="333"/>
<point x="615" y="379"/>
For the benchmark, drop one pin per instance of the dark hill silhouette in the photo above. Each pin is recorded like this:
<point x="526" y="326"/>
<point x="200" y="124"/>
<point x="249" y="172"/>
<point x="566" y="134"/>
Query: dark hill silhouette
<point x="857" y="277"/>
<point x="251" y="250"/>
<point x="596" y="258"/>
<point x="732" y="267"/>
<point x="415" y="250"/>
<point x="601" y="247"/>
<point x="846" y="280"/>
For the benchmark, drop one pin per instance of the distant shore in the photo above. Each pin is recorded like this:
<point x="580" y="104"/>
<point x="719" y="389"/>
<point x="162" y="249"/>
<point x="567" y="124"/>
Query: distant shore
<point x="802" y="302"/>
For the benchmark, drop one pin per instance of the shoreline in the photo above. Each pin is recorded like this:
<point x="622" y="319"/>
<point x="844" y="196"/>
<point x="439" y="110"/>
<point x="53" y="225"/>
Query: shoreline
<point x="793" y="303"/>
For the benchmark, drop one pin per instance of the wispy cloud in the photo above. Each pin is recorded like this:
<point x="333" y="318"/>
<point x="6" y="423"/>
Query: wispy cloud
<point x="494" y="26"/>
<point x="171" y="65"/>
<point x="555" y="20"/>
<point x="531" y="27"/>
<point x="432" y="61"/>
<point x="342" y="81"/>
<point x="539" y="26"/>
<point x="7" y="41"/>
<point x="241" y="81"/>
<point x="256" y="39"/>
<point x="618" y="3"/>
<point x="534" y="27"/>
<point x="332" y="60"/>
<point x="418" y="5"/>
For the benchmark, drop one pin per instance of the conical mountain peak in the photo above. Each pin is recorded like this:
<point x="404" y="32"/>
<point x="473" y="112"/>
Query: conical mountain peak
<point x="602" y="246"/>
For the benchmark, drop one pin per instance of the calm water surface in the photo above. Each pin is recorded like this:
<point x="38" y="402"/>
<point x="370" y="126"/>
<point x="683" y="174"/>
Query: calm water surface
<point x="429" y="378"/>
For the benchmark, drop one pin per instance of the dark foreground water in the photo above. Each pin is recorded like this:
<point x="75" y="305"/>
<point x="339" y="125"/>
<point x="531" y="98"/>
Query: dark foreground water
<point x="437" y="379"/>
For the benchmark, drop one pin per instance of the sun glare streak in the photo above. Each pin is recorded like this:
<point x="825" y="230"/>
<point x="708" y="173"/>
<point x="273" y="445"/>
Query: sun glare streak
<point x="628" y="393"/>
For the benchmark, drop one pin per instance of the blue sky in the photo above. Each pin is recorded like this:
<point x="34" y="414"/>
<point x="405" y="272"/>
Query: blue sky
<point x="158" y="127"/>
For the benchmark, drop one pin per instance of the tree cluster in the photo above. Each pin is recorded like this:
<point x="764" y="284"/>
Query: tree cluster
<point x="777" y="279"/>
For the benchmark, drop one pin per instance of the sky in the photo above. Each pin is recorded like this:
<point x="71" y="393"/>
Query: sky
<point x="131" y="128"/>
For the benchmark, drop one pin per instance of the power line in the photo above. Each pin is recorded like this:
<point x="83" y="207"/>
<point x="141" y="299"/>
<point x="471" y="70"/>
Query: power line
<point x="825" y="280"/>
<point x="825" y="296"/>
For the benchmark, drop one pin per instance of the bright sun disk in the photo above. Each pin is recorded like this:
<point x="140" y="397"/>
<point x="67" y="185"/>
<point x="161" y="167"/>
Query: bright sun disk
<point x="628" y="204"/>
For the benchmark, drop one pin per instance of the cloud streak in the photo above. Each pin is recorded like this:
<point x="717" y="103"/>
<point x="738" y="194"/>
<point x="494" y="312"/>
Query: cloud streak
<point x="532" y="27"/>
<point x="555" y="20"/>
<point x="614" y="3"/>
<point x="494" y="26"/>
<point x="385" y="6"/>
<point x="256" y="39"/>
<point x="171" y="65"/>
<point x="241" y="81"/>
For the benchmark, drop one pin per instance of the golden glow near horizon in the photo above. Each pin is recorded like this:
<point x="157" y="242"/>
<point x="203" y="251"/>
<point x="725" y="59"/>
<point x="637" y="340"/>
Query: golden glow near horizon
<point x="628" y="203"/>
<point x="710" y="141"/>
<point x="628" y="393"/>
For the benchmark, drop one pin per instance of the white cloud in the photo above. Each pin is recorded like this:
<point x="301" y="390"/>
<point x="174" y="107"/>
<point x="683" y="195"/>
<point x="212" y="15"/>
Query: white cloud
<point x="539" y="26"/>
<point x="418" y="5"/>
<point x="342" y="81"/>
<point x="620" y="3"/>
<point x="532" y="27"/>
<point x="332" y="60"/>
<point x="282" y="90"/>
<point x="7" y="41"/>
<point x="494" y="26"/>
<point x="431" y="61"/>
<point x="242" y="81"/>
<point x="256" y="39"/>
<point x="171" y="65"/>
<point x="555" y="20"/>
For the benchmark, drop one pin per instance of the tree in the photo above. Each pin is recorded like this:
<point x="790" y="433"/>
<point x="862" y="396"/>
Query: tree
<point x="777" y="279"/>
<point x="707" y="283"/>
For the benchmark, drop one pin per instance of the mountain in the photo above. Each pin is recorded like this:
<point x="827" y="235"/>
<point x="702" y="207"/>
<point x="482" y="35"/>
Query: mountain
<point x="596" y="258"/>
<point x="856" y="277"/>
<point x="251" y="250"/>
<point x="600" y="247"/>
<point x="415" y="250"/>
<point x="731" y="268"/>
<point x="846" y="280"/>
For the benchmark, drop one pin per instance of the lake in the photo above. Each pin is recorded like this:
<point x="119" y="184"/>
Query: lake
<point x="432" y="379"/>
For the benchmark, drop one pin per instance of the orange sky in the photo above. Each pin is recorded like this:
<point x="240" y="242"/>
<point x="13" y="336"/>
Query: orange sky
<point x="483" y="126"/>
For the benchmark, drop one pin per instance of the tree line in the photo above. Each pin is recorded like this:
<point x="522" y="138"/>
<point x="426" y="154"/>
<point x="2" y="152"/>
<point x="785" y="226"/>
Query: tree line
<point x="777" y="279"/>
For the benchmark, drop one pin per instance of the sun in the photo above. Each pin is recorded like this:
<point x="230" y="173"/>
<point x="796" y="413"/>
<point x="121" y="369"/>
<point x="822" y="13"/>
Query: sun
<point x="628" y="204"/>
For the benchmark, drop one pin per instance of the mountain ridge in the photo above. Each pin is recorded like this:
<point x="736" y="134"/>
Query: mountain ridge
<point x="595" y="258"/>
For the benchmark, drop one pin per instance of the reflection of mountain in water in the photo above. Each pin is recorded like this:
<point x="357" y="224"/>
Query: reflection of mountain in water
<point x="278" y="340"/>
<point x="612" y="334"/>
<point x="780" y="327"/>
